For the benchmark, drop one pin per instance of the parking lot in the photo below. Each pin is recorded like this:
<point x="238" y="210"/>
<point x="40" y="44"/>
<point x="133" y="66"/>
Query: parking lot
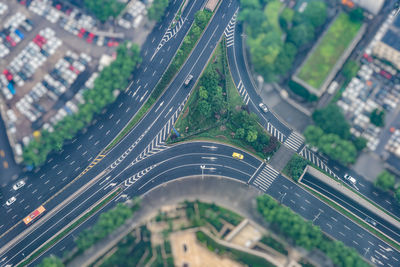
<point x="49" y="54"/>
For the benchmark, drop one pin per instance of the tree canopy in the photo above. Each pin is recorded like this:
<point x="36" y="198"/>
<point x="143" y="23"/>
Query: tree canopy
<point x="104" y="9"/>
<point x="331" y="120"/>
<point x="385" y="181"/>
<point x="316" y="12"/>
<point x="377" y="117"/>
<point x="156" y="10"/>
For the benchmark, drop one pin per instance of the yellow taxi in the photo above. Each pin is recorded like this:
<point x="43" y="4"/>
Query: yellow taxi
<point x="237" y="155"/>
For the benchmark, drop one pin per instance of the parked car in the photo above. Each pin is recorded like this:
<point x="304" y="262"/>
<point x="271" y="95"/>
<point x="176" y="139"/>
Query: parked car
<point x="263" y="107"/>
<point x="350" y="179"/>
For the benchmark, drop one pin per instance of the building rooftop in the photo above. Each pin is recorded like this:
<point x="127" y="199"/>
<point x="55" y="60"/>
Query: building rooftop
<point x="392" y="39"/>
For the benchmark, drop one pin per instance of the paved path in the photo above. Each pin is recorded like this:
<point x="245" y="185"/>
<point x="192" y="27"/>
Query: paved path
<point x="225" y="192"/>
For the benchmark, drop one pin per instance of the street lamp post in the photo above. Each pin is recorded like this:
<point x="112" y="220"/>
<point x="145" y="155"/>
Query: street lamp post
<point x="202" y="167"/>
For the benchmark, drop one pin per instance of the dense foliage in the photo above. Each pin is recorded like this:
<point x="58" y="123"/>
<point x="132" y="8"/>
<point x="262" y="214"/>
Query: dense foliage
<point x="113" y="77"/>
<point x="331" y="120"/>
<point x="301" y="91"/>
<point x="237" y="255"/>
<point x="303" y="233"/>
<point x="157" y="8"/>
<point x="295" y="167"/>
<point x="331" y="144"/>
<point x="107" y="223"/>
<point x="104" y="9"/>
<point x="350" y="69"/>
<point x="377" y="117"/>
<point x="266" y="21"/>
<point x="51" y="261"/>
<point x="385" y="181"/>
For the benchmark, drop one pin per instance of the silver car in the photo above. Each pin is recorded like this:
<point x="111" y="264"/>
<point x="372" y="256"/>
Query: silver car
<point x="10" y="201"/>
<point x="19" y="184"/>
<point x="263" y="107"/>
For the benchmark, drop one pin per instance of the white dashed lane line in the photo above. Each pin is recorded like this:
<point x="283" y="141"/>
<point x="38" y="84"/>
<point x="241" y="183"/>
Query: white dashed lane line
<point x="84" y="153"/>
<point x="67" y="156"/>
<point x="47" y="182"/>
<point x="34" y="191"/>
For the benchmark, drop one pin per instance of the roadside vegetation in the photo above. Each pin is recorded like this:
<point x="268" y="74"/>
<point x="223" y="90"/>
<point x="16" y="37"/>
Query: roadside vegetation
<point x="266" y="23"/>
<point x="386" y="181"/>
<point x="156" y="10"/>
<point x="237" y="255"/>
<point x="331" y="135"/>
<point x="202" y="18"/>
<point x="113" y="78"/>
<point x="329" y="49"/>
<point x="304" y="234"/>
<point x="104" y="9"/>
<point x="216" y="111"/>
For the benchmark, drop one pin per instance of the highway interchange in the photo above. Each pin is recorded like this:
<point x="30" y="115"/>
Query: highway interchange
<point x="142" y="161"/>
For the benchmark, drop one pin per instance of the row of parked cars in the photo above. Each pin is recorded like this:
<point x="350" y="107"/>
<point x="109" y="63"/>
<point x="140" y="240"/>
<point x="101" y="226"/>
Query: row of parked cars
<point x="24" y="65"/>
<point x="13" y="32"/>
<point x="133" y="15"/>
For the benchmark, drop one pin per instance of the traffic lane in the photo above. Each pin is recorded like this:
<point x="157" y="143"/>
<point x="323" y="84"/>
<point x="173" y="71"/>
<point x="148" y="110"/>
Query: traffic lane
<point x="156" y="118"/>
<point x="58" y="220"/>
<point x="351" y="205"/>
<point x="331" y="222"/>
<point x="367" y="188"/>
<point x="237" y="66"/>
<point x="81" y="150"/>
<point x="206" y="39"/>
<point x="210" y="48"/>
<point x="8" y="166"/>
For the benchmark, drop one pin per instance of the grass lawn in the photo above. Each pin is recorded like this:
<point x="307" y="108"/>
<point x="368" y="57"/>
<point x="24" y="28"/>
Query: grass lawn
<point x="272" y="11"/>
<point x="333" y="44"/>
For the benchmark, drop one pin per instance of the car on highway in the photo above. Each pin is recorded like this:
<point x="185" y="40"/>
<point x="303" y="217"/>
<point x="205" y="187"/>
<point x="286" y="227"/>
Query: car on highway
<point x="350" y="179"/>
<point x="370" y="221"/>
<point x="188" y="79"/>
<point x="10" y="201"/>
<point x="236" y="155"/>
<point x="263" y="107"/>
<point x="19" y="184"/>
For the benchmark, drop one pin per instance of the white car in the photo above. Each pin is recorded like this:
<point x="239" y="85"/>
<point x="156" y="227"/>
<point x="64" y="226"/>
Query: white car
<point x="370" y="221"/>
<point x="263" y="107"/>
<point x="10" y="201"/>
<point x="19" y="184"/>
<point x="350" y="179"/>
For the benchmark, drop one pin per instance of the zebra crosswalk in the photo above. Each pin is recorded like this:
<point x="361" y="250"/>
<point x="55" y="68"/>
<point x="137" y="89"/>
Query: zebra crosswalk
<point x="275" y="132"/>
<point x="294" y="141"/>
<point x="230" y="30"/>
<point x="266" y="177"/>
<point x="309" y="155"/>
<point x="243" y="92"/>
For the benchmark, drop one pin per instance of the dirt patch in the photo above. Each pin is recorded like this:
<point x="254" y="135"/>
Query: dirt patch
<point x="221" y="136"/>
<point x="247" y="237"/>
<point x="185" y="113"/>
<point x="222" y="128"/>
<point x="195" y="255"/>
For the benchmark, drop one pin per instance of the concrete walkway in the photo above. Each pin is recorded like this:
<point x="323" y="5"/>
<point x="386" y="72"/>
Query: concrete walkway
<point x="227" y="193"/>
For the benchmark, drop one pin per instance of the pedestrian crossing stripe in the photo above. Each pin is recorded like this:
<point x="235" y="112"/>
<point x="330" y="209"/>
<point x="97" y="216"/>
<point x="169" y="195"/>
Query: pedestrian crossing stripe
<point x="230" y="30"/>
<point x="294" y="141"/>
<point x="266" y="177"/>
<point x="310" y="156"/>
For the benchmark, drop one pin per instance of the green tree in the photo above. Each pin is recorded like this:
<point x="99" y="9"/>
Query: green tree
<point x="286" y="17"/>
<point x="284" y="61"/>
<point x="51" y="261"/>
<point x="398" y="193"/>
<point x="203" y="93"/>
<point x="240" y="133"/>
<point x="103" y="9"/>
<point x="377" y="117"/>
<point x="156" y="10"/>
<point x="350" y="69"/>
<point x="331" y="120"/>
<point x="295" y="167"/>
<point x="200" y="18"/>
<point x="360" y="143"/>
<point x="313" y="134"/>
<point x="251" y="135"/>
<point x="204" y="108"/>
<point x="301" y="34"/>
<point x="316" y="12"/>
<point x="357" y="14"/>
<point x="385" y="181"/>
